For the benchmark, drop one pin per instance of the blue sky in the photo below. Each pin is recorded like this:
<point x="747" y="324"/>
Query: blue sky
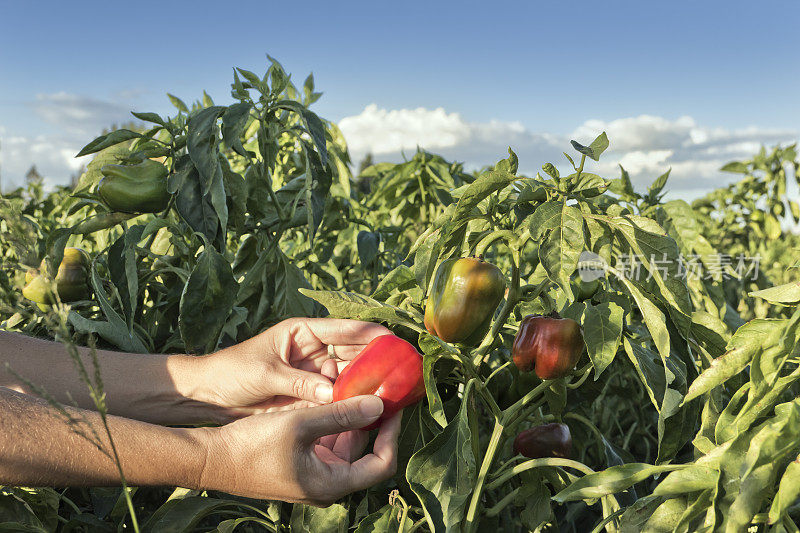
<point x="663" y="76"/>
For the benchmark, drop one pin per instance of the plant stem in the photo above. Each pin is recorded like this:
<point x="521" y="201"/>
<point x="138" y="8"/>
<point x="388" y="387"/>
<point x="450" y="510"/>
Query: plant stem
<point x="401" y="521"/>
<point x="495" y="371"/>
<point x="125" y="491"/>
<point x="584" y="373"/>
<point x="580" y="168"/>
<point x="599" y="527"/>
<point x="536" y="463"/>
<point x="274" y="198"/>
<point x="511" y="412"/>
<point x="418" y="524"/>
<point x="586" y="422"/>
<point x="494" y="441"/>
<point x="484" y="243"/>
<point x="502" y="504"/>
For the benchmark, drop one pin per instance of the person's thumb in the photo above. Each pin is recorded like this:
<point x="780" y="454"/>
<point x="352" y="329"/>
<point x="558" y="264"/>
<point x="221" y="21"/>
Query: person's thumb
<point x="338" y="417"/>
<point x="304" y="385"/>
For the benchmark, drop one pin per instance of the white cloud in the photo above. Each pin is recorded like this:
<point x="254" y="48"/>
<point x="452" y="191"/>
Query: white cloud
<point x="79" y="119"/>
<point x="645" y="145"/>
<point x="79" y="115"/>
<point x="387" y="133"/>
<point x="645" y="132"/>
<point x="381" y="131"/>
<point x="54" y="159"/>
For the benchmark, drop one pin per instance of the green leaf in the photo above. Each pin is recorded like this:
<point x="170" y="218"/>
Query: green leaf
<point x="635" y="517"/>
<point x="206" y="301"/>
<point x="150" y="117"/>
<point x="202" y="144"/>
<point x="178" y="103"/>
<point x="623" y="186"/>
<point x="434" y="349"/>
<point x="255" y="81"/>
<point x="234" y="119"/>
<point x="710" y="332"/>
<point x="551" y="170"/>
<point x="594" y="150"/>
<point x="602" y="333"/>
<point x="342" y="304"/>
<point x="313" y="124"/>
<point x="442" y="474"/>
<point x="680" y="221"/>
<point x="660" y="256"/>
<point x="561" y="248"/>
<point x="665" y="384"/>
<point x="768" y="449"/>
<point x="384" y="520"/>
<point x="787" y="294"/>
<point x="687" y="480"/>
<point x="113" y="329"/>
<point x="109" y="139"/>
<point x="333" y="519"/>
<point x="183" y="514"/>
<point x="546" y="218"/>
<point x="192" y="205"/>
<point x="115" y="333"/>
<point x="108" y="156"/>
<point x="486" y="184"/>
<point x="400" y="278"/>
<point x="236" y="192"/>
<point x="24" y="510"/>
<point x="290" y="284"/>
<point x="722" y="369"/>
<point x="590" y="185"/>
<point x="657" y="186"/>
<point x="510" y="164"/>
<point x="123" y="270"/>
<point x="788" y="492"/>
<point x="772" y="227"/>
<point x="316" y="128"/>
<point x="666" y="516"/>
<point x="610" y="481"/>
<point x="743" y="346"/>
<point x="735" y="166"/>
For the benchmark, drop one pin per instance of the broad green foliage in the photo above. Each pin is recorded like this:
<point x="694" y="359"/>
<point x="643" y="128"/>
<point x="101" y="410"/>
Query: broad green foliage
<point x="683" y="412"/>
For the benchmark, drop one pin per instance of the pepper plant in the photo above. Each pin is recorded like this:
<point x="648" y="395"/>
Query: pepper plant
<point x="680" y="407"/>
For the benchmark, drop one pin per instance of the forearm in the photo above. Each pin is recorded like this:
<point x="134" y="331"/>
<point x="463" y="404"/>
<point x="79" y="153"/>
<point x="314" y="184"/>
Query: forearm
<point x="38" y="447"/>
<point x="154" y="388"/>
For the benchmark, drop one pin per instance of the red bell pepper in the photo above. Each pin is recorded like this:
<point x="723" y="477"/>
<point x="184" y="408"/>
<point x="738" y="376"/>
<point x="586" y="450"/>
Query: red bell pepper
<point x="551" y="344"/>
<point x="387" y="367"/>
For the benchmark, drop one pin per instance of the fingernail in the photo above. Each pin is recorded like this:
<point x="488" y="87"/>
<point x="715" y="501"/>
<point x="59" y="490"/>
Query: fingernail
<point x="324" y="393"/>
<point x="371" y="406"/>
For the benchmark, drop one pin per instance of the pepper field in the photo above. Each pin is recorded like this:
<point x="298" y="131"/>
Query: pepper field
<point x="683" y="408"/>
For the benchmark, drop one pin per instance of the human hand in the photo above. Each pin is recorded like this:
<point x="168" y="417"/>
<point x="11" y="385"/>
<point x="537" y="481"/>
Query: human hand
<point x="304" y="455"/>
<point x="286" y="367"/>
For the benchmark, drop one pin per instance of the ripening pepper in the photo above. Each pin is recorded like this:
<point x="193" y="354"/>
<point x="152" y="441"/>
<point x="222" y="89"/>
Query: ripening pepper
<point x="71" y="279"/>
<point x="387" y="367"/>
<point x="463" y="297"/>
<point x="550" y="344"/>
<point x="140" y="188"/>
<point x="549" y="440"/>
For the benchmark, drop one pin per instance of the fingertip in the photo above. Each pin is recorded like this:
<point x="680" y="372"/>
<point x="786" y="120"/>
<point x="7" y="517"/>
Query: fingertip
<point x="330" y="369"/>
<point x="323" y="392"/>
<point x="370" y="406"/>
<point x="386" y="442"/>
